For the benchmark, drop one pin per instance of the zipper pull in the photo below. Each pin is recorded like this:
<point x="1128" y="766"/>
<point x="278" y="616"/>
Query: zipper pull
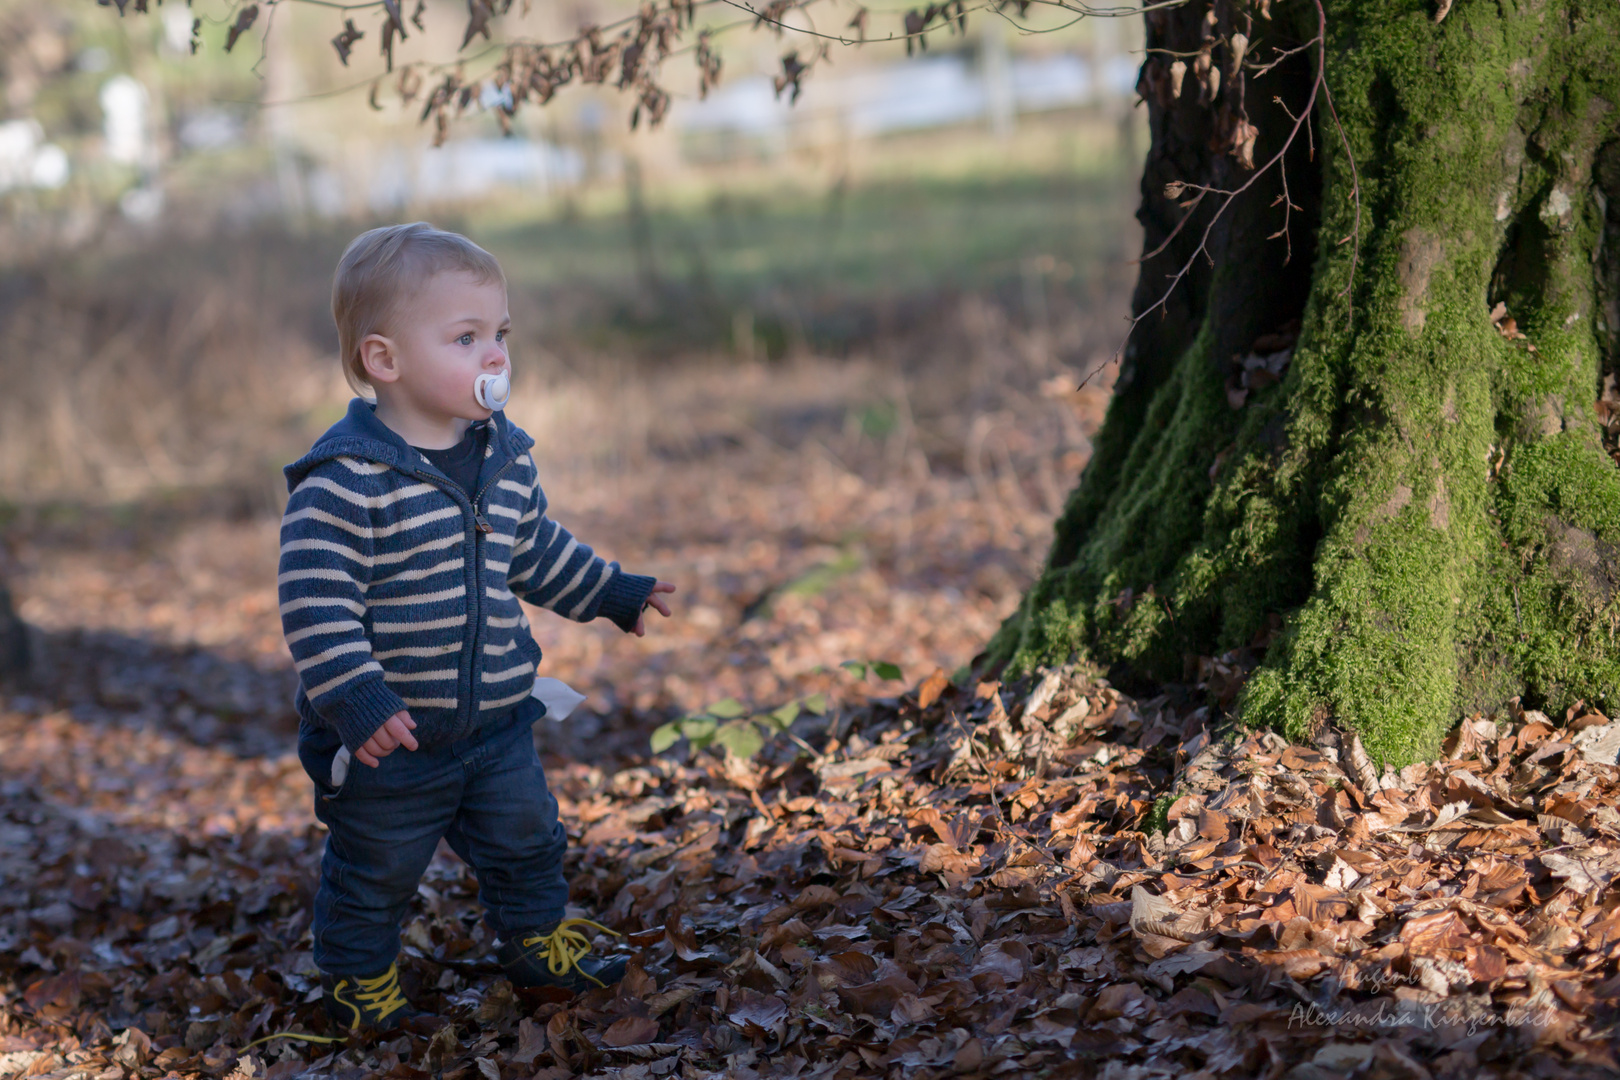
<point x="483" y="525"/>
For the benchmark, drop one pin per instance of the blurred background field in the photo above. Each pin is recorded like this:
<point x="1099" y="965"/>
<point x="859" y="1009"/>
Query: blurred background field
<point x="817" y="365"/>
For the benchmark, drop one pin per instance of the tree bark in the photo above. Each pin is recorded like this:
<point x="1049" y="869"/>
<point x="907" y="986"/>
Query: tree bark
<point x="1422" y="518"/>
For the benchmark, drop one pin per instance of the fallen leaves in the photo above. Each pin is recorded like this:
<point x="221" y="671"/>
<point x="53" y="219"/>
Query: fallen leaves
<point x="1043" y="878"/>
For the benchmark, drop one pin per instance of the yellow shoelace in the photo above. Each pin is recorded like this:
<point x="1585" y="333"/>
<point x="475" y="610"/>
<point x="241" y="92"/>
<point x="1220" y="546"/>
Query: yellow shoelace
<point x="381" y="994"/>
<point x="565" y="947"/>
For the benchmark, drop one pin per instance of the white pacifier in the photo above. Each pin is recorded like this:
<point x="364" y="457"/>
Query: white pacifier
<point x="493" y="391"/>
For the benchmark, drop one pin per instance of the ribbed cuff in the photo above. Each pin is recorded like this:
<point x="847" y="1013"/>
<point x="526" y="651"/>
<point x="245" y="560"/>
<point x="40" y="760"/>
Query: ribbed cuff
<point x="623" y="598"/>
<point x="360" y="711"/>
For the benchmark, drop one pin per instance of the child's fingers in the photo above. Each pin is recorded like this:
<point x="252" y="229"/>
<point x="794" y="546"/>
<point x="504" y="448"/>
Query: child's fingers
<point x="658" y="605"/>
<point x="365" y="757"/>
<point x="401" y="734"/>
<point x="663" y="586"/>
<point x="641" y="627"/>
<point x="382" y="740"/>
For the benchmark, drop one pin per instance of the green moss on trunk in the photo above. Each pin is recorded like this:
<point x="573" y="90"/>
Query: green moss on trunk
<point x="1424" y="503"/>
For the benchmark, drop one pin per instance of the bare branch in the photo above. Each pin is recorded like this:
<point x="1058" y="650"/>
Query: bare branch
<point x="1318" y="85"/>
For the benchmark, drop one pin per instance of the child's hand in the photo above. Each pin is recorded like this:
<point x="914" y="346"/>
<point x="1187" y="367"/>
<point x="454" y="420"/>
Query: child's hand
<point x="395" y="732"/>
<point x="656" y="602"/>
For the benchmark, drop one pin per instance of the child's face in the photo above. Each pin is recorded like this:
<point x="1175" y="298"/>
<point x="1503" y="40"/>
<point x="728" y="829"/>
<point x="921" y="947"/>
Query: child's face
<point x="452" y="331"/>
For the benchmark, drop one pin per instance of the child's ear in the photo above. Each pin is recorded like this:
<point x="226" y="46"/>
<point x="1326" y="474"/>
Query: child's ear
<point x="379" y="360"/>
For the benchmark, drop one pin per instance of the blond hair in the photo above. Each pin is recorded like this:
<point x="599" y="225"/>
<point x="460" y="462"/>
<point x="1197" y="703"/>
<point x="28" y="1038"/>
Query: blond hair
<point x="380" y="268"/>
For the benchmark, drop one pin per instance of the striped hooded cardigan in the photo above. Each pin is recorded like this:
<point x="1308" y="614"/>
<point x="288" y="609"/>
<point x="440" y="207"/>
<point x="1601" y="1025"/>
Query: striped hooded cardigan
<point x="398" y="592"/>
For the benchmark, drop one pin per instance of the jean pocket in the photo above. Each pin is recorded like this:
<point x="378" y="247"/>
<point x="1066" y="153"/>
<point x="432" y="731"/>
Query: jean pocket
<point x="318" y="752"/>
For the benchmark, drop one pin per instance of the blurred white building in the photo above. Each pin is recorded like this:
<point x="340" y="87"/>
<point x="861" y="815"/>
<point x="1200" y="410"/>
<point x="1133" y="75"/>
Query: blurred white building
<point x="396" y="176"/>
<point x="931" y="92"/>
<point x="126" y="121"/>
<point x="27" y="160"/>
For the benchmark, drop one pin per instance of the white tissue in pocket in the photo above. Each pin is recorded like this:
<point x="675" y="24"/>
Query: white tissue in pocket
<point x="340" y="766"/>
<point x="558" y="697"/>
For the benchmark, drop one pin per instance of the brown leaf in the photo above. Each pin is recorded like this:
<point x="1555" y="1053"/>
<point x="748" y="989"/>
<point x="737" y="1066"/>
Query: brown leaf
<point x="994" y="958"/>
<point x="814" y="896"/>
<point x="932" y="687"/>
<point x="853" y="967"/>
<point x="1582" y="875"/>
<point x="959" y="832"/>
<point x="1301" y="964"/>
<point x="478" y="16"/>
<point x="244" y="20"/>
<point x="876" y="999"/>
<point x="935" y="858"/>
<point x="56" y="991"/>
<point x="791" y="931"/>
<point x="1599" y="745"/>
<point x="911" y="1009"/>
<point x="684" y="939"/>
<point x="641" y="939"/>
<point x="133" y="1047"/>
<point x="659" y="1004"/>
<point x="1213" y="825"/>
<point x="969" y="1057"/>
<point x="497" y="1003"/>
<point x="1444" y="930"/>
<point x="1190" y="1001"/>
<point x="344" y="42"/>
<point x="757" y="1013"/>
<point x="531" y="1042"/>
<point x="1121" y="999"/>
<point x="631" y="1031"/>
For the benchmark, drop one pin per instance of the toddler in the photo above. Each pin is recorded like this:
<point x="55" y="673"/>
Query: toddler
<point x="414" y="527"/>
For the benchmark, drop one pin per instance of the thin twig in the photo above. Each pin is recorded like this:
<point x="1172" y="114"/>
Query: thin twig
<point x="1189" y="871"/>
<point x="1187" y="206"/>
<point x="1006" y="826"/>
<point x="1209" y="228"/>
<point x="1282" y="54"/>
<point x="1302" y="120"/>
<point x="1355" y="197"/>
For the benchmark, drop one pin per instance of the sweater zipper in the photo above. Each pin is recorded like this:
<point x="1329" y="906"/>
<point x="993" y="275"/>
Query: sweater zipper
<point x="474" y="587"/>
<point x="475" y="616"/>
<point x="481" y="528"/>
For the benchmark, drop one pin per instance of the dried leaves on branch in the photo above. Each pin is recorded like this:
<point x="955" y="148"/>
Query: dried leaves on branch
<point x="1050" y="880"/>
<point x="627" y="53"/>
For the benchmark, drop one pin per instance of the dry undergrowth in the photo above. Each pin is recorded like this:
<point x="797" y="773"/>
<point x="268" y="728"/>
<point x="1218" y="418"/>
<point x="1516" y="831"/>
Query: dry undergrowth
<point x="958" y="882"/>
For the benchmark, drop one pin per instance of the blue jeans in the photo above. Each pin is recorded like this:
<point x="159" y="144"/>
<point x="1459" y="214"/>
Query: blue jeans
<point x="485" y="794"/>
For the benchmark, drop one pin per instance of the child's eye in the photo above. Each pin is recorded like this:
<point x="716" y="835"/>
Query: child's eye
<point x="500" y="335"/>
<point x="464" y="339"/>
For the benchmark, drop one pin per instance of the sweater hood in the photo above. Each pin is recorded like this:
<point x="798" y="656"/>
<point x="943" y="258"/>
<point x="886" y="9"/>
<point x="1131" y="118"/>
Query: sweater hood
<point x="361" y="435"/>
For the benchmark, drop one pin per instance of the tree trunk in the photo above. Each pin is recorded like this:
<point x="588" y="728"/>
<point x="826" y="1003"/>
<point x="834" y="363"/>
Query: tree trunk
<point x="1422" y="518"/>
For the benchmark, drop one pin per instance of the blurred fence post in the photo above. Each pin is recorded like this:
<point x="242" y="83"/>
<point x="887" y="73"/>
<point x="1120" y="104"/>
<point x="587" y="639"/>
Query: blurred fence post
<point x="997" y="74"/>
<point x="641" y="239"/>
<point x="282" y="85"/>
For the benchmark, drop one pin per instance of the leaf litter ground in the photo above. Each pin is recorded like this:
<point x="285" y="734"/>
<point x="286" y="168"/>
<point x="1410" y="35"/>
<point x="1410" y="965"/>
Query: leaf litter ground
<point x="955" y="882"/>
<point x="1042" y="879"/>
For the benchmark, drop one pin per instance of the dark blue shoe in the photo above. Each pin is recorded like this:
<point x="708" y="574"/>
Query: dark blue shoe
<point x="371" y="1005"/>
<point x="559" y="955"/>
